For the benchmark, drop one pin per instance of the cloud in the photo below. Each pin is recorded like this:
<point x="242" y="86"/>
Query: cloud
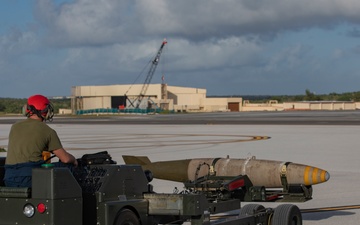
<point x="354" y="32"/>
<point x="16" y="42"/>
<point x="85" y="23"/>
<point x="289" y="58"/>
<point x="232" y="42"/>
<point x="101" y="22"/>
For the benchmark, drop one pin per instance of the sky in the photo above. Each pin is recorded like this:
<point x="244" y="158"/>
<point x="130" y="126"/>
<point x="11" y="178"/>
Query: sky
<point x="228" y="47"/>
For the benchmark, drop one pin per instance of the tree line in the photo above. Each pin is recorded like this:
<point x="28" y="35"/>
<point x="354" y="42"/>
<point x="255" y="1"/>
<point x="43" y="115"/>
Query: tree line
<point x="308" y="96"/>
<point x="15" y="105"/>
<point x="311" y="96"/>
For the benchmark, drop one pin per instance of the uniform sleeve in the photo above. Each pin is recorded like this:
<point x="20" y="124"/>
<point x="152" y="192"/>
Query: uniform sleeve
<point x="54" y="141"/>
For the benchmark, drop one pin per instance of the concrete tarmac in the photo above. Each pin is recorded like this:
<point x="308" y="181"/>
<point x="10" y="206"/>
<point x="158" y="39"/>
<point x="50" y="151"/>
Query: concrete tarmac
<point x="332" y="146"/>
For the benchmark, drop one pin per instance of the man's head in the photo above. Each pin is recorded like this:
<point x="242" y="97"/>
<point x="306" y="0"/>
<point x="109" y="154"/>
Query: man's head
<point x="41" y="106"/>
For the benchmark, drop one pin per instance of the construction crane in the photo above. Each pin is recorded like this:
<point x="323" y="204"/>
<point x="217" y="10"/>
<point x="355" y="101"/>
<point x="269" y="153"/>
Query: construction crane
<point x="149" y="76"/>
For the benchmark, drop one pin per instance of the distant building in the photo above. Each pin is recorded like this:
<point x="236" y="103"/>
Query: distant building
<point x="273" y="105"/>
<point x="179" y="99"/>
<point x="65" y="111"/>
<point x="114" y="98"/>
<point x="320" y="105"/>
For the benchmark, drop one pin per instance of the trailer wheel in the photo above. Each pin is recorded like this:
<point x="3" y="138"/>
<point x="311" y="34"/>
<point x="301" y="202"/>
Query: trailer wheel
<point x="250" y="208"/>
<point x="127" y="217"/>
<point x="287" y="214"/>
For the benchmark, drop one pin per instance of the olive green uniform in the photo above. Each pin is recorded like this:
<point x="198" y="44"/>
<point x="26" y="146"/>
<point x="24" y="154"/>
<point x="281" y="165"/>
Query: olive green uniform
<point x="28" y="139"/>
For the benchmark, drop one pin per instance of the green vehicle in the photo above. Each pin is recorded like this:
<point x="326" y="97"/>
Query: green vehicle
<point x="100" y="192"/>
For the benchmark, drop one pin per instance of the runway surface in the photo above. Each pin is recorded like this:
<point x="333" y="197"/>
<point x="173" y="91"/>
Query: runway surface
<point x="328" y="140"/>
<point x="282" y="117"/>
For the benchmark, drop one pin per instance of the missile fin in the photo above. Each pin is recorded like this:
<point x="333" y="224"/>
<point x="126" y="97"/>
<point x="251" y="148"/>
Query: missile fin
<point x="140" y="160"/>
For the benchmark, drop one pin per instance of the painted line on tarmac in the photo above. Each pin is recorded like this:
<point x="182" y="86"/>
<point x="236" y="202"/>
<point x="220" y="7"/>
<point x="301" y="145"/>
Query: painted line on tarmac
<point x="155" y="140"/>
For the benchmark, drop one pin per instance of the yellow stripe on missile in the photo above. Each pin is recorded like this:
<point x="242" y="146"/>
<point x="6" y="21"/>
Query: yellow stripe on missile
<point x="315" y="176"/>
<point x="306" y="175"/>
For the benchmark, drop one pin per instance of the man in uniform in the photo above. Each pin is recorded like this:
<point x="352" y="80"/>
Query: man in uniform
<point x="28" y="139"/>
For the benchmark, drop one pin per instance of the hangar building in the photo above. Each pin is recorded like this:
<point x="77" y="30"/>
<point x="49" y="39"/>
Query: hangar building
<point x="121" y="97"/>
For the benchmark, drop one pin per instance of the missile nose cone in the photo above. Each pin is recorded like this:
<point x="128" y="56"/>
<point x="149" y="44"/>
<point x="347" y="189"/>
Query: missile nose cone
<point x="327" y="176"/>
<point x="313" y="175"/>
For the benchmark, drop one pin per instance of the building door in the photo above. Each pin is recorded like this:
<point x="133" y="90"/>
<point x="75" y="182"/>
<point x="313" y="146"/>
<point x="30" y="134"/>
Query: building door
<point x="234" y="106"/>
<point x="118" y="102"/>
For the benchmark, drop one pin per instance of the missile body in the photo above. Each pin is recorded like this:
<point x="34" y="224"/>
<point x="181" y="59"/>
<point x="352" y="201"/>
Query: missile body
<point x="266" y="173"/>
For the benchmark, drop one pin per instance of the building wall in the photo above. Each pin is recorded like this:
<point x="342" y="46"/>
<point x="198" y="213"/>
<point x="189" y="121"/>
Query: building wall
<point x="333" y="106"/>
<point x="271" y="105"/>
<point x="319" y="105"/>
<point x="95" y="97"/>
<point x="65" y="111"/>
<point x="220" y="104"/>
<point x="93" y="102"/>
<point x="215" y="104"/>
<point x="296" y="106"/>
<point x="316" y="105"/>
<point x="357" y="105"/>
<point x="115" y="90"/>
<point x="187" y="99"/>
<point x="188" y="102"/>
<point x="178" y="98"/>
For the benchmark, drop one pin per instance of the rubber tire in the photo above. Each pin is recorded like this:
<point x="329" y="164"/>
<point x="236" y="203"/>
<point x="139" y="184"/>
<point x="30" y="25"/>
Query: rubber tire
<point x="250" y="208"/>
<point x="287" y="214"/>
<point x="127" y="217"/>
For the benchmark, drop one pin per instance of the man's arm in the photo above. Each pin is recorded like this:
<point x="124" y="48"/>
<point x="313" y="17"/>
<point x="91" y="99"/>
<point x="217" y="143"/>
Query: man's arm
<point x="65" y="157"/>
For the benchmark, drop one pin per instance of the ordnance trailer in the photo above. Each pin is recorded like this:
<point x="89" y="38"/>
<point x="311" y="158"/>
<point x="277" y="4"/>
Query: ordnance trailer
<point x="101" y="192"/>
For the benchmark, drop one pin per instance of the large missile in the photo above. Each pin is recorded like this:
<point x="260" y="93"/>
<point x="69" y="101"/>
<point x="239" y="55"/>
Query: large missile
<point x="268" y="173"/>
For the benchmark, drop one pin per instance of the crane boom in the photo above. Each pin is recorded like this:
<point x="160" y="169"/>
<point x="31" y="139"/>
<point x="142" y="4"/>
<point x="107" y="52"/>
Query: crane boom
<point x="150" y="74"/>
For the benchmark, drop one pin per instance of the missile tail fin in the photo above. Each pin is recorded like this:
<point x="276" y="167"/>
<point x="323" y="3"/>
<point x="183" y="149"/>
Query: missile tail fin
<point x="140" y="160"/>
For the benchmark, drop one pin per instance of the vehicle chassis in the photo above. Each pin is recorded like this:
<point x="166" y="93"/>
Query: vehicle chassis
<point x="110" y="194"/>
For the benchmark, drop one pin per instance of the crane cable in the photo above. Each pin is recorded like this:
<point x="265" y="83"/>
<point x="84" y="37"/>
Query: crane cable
<point x="146" y="66"/>
<point x="142" y="71"/>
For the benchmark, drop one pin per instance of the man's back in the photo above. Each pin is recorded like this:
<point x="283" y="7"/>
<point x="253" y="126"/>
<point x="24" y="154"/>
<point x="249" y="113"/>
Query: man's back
<point x="28" y="139"/>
